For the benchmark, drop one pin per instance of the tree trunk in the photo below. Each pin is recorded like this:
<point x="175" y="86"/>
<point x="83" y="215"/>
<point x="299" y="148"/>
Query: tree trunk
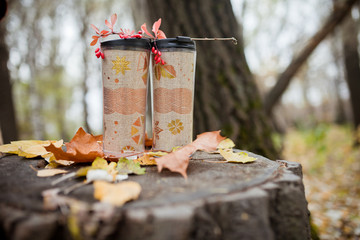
<point x="352" y="67"/>
<point x="7" y="116"/>
<point x="226" y="96"/>
<point x="284" y="79"/>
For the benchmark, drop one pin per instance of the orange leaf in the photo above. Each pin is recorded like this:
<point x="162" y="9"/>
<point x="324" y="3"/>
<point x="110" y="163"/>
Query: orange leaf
<point x="107" y="23"/>
<point x="83" y="147"/>
<point x="104" y="32"/>
<point x="178" y="161"/>
<point x="156" y="26"/>
<point x="208" y="141"/>
<point x="94" y="42"/>
<point x="113" y="19"/>
<point x="95" y="28"/>
<point x="168" y="71"/>
<point x="161" y="35"/>
<point x="144" y="29"/>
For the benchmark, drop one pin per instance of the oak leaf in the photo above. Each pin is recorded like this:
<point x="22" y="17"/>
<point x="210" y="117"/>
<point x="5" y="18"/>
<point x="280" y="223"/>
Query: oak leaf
<point x="116" y="194"/>
<point x="83" y="147"/>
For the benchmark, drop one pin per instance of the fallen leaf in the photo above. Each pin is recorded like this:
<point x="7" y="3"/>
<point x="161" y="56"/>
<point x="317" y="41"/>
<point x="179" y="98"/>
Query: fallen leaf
<point x="83" y="147"/>
<point x="236" y="157"/>
<point x="226" y="144"/>
<point x="126" y="166"/>
<point x="157" y="154"/>
<point x="29" y="148"/>
<point x="116" y="194"/>
<point x="178" y="160"/>
<point x="50" y="172"/>
<point x="208" y="141"/>
<point x="98" y="163"/>
<point x="146" y="160"/>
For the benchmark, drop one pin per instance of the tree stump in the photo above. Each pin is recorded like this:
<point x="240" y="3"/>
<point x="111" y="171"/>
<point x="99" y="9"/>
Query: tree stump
<point x="260" y="200"/>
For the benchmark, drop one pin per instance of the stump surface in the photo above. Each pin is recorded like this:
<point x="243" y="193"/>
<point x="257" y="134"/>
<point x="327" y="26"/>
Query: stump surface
<point x="218" y="201"/>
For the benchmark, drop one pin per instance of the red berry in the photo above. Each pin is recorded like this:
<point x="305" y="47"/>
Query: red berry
<point x="158" y="61"/>
<point x="102" y="55"/>
<point x="155" y="52"/>
<point x="98" y="49"/>
<point x="156" y="58"/>
<point x="139" y="32"/>
<point x="98" y="54"/>
<point x="153" y="49"/>
<point x="159" y="53"/>
<point x="162" y="62"/>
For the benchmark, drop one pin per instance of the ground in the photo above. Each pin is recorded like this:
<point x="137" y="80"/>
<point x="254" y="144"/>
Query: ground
<point x="331" y="168"/>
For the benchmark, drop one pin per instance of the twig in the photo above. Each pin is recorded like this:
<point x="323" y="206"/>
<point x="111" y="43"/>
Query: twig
<point x="63" y="178"/>
<point x="74" y="186"/>
<point x="234" y="40"/>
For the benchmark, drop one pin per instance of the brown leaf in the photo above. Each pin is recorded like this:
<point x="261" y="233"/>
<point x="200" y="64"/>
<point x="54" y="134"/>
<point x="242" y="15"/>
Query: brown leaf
<point x="82" y="148"/>
<point x="178" y="161"/>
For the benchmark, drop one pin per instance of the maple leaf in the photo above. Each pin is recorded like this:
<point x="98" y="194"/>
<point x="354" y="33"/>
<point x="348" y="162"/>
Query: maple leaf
<point x="116" y="194"/>
<point x="178" y="160"/>
<point x="83" y="147"/>
<point x="126" y="166"/>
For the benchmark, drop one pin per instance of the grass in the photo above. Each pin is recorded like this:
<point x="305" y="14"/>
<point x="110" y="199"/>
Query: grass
<point x="331" y="167"/>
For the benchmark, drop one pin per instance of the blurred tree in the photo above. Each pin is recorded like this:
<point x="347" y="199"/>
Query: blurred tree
<point x="7" y="116"/>
<point x="352" y="66"/>
<point x="341" y="9"/>
<point x="226" y="96"/>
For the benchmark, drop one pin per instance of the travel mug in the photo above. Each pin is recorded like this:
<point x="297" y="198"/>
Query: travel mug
<point x="173" y="93"/>
<point x="124" y="73"/>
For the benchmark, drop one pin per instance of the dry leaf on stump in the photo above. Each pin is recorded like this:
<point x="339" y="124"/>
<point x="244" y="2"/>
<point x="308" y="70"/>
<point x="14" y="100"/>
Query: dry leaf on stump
<point x="178" y="161"/>
<point x="116" y="194"/>
<point x="83" y="147"/>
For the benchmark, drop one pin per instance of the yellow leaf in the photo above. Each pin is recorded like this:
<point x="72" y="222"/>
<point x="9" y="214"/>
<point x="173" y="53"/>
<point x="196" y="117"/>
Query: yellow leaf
<point x="238" y="157"/>
<point x="50" y="172"/>
<point x="226" y="144"/>
<point x="157" y="154"/>
<point x="9" y="148"/>
<point x="116" y="194"/>
<point x="147" y="160"/>
<point x="29" y="148"/>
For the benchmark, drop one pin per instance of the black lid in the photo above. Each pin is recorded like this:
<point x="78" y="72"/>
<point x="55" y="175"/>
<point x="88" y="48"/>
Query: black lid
<point x="178" y="42"/>
<point x="130" y="42"/>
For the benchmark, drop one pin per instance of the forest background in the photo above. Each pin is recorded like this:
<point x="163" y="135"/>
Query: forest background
<point x="56" y="84"/>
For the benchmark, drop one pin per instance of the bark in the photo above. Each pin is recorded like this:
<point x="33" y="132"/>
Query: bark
<point x="7" y="116"/>
<point x="284" y="79"/>
<point x="352" y="67"/>
<point x="226" y="96"/>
